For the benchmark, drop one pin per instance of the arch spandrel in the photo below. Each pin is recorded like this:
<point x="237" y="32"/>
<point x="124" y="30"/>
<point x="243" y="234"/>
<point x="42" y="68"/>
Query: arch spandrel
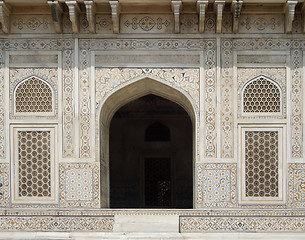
<point x="110" y="80"/>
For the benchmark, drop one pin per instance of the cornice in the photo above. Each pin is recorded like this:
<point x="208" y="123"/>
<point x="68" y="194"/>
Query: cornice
<point x="117" y="8"/>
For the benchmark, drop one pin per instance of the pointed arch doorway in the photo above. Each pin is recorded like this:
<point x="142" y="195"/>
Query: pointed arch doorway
<point x="147" y="150"/>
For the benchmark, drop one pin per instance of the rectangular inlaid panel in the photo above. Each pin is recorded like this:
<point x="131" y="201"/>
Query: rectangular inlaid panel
<point x="296" y="185"/>
<point x="79" y="185"/>
<point x="261" y="163"/>
<point x="34" y="164"/>
<point x="261" y="23"/>
<point x="216" y="185"/>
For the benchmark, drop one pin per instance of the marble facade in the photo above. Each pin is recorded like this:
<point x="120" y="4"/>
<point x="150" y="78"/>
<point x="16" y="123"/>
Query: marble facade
<point x="90" y="57"/>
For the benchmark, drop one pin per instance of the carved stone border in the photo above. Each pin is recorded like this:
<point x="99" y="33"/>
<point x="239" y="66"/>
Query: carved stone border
<point x="56" y="223"/>
<point x="242" y="224"/>
<point x="170" y="212"/>
<point x="227" y="117"/>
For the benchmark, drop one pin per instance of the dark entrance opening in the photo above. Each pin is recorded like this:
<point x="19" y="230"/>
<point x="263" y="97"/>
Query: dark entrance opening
<point x="158" y="183"/>
<point x="151" y="155"/>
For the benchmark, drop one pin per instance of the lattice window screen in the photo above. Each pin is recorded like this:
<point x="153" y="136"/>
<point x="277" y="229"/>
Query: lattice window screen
<point x="33" y="96"/>
<point x="34" y="164"/>
<point x="261" y="163"/>
<point x="261" y="95"/>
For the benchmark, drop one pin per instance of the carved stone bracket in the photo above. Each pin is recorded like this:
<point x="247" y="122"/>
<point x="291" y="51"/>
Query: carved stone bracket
<point x="289" y="14"/>
<point x="90" y="12"/>
<point x="236" y="9"/>
<point x="219" y="4"/>
<point x="202" y="6"/>
<point x="115" y="13"/>
<point x="176" y="7"/>
<point x="74" y="12"/>
<point x="57" y="13"/>
<point x="5" y="11"/>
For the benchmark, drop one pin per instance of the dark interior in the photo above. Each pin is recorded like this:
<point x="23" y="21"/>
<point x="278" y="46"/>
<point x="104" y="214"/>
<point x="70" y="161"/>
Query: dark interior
<point x="151" y="154"/>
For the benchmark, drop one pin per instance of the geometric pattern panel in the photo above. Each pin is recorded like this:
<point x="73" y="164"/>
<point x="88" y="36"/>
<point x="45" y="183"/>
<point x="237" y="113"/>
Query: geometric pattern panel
<point x="33" y="91"/>
<point x="296" y="185"/>
<point x="250" y="224"/>
<point x="261" y="95"/>
<point x="4" y="185"/>
<point x="216" y="185"/>
<point x="210" y="103"/>
<point x="67" y="101"/>
<point x="296" y="102"/>
<point x="32" y="24"/>
<point x="84" y="102"/>
<point x="55" y="223"/>
<point x="79" y="185"/>
<point x="33" y="95"/>
<point x="259" y="23"/>
<point x="273" y="75"/>
<point x="142" y="23"/>
<point x="227" y="94"/>
<point x="261" y="163"/>
<point x="34" y="163"/>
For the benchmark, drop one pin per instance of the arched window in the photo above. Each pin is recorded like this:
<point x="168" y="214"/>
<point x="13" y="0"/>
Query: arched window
<point x="157" y="132"/>
<point x="33" y="96"/>
<point x="261" y="95"/>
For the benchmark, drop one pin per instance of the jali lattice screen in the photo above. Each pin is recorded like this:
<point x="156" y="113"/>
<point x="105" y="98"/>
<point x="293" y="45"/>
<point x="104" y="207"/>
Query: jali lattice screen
<point x="261" y="163"/>
<point x="34" y="163"/>
<point x="33" y="96"/>
<point x="261" y="95"/>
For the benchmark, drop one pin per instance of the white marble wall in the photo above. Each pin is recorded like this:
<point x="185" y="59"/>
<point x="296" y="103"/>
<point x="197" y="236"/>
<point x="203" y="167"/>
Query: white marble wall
<point x="209" y="71"/>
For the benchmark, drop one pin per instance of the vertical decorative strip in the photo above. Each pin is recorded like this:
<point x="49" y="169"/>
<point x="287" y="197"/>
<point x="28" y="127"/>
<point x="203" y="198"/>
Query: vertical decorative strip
<point x="2" y="112"/>
<point x="4" y="185"/>
<point x="227" y="99"/>
<point x="210" y="98"/>
<point x="68" y="108"/>
<point x="84" y="103"/>
<point x="296" y="101"/>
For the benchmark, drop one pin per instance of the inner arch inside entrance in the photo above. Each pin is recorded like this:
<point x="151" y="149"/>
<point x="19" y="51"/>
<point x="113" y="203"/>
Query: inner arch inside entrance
<point x="150" y="157"/>
<point x="161" y="134"/>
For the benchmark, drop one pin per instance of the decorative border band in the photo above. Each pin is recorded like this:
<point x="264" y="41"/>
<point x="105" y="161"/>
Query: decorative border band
<point x="56" y="223"/>
<point x="241" y="224"/>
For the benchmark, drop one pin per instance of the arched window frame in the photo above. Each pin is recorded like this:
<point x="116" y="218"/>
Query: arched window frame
<point x="254" y="114"/>
<point x="47" y="114"/>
